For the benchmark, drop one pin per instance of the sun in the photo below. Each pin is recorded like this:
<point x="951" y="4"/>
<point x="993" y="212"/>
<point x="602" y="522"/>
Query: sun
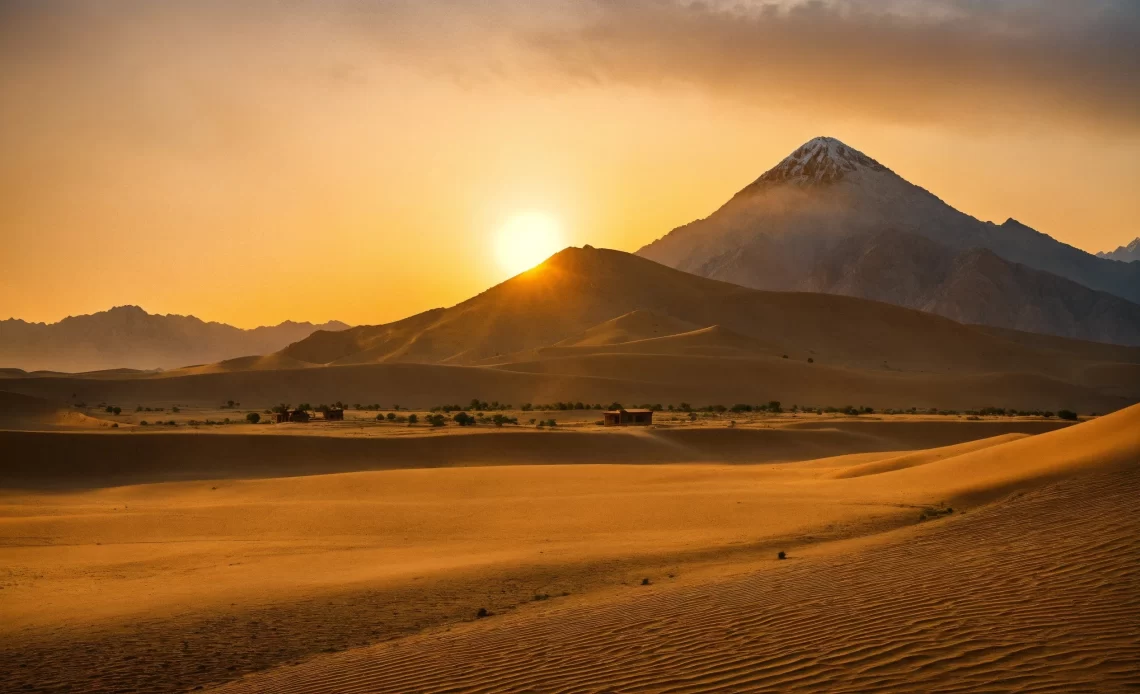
<point x="526" y="240"/>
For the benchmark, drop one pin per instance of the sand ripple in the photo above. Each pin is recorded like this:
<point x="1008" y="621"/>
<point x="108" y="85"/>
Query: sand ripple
<point x="1040" y="592"/>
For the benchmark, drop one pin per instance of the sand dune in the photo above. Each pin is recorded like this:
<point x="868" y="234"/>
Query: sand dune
<point x="80" y="460"/>
<point x="1056" y="611"/>
<point x="29" y="413"/>
<point x="271" y="362"/>
<point x="227" y="577"/>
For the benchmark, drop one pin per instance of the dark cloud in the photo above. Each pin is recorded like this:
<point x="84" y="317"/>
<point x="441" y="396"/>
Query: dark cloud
<point x="956" y="62"/>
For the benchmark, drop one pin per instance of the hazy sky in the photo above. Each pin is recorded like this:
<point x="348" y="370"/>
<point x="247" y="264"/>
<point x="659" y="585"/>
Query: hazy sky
<point x="250" y="162"/>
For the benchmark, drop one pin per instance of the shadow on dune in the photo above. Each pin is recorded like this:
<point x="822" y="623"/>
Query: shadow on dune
<point x="47" y="460"/>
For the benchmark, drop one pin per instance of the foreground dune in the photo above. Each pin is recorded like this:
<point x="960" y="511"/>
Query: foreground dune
<point x="1041" y="593"/>
<point x="166" y="586"/>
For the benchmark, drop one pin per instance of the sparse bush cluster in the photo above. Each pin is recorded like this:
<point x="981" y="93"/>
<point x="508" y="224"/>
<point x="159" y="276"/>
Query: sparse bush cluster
<point x="934" y="512"/>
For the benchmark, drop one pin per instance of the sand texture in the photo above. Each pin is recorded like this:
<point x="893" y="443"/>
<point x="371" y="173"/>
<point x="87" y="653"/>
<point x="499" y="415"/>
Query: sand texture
<point x="1005" y="560"/>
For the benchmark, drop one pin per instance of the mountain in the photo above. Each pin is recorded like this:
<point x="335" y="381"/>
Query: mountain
<point x="588" y="297"/>
<point x="129" y="337"/>
<point x="600" y="325"/>
<point x="1125" y="254"/>
<point x="825" y="218"/>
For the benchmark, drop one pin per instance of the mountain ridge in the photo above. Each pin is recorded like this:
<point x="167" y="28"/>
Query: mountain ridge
<point x="777" y="232"/>
<point x="1124" y="254"/>
<point x="129" y="337"/>
<point x="581" y="291"/>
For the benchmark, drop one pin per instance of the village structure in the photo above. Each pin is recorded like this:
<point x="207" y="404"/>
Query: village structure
<point x="623" y="417"/>
<point x="301" y="416"/>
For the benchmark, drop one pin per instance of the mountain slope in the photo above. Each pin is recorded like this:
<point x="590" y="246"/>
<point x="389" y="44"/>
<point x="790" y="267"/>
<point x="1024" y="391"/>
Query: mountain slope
<point x="792" y="226"/>
<point x="571" y="296"/>
<point x="974" y="286"/>
<point x="127" y="336"/>
<point x="1125" y="254"/>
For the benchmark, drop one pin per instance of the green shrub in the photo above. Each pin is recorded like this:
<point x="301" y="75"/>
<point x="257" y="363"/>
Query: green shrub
<point x="253" y="418"/>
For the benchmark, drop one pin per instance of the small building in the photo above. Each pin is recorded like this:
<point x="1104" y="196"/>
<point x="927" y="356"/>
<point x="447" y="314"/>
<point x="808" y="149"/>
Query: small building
<point x="291" y="416"/>
<point x="622" y="418"/>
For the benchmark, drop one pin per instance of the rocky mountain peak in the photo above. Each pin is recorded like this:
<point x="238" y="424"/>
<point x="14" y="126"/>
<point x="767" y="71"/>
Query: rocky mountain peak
<point x="820" y="160"/>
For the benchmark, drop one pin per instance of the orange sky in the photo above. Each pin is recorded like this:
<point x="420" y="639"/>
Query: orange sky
<point x="250" y="168"/>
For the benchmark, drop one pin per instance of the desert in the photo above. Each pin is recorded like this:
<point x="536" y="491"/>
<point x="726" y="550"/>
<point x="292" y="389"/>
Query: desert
<point x="569" y="347"/>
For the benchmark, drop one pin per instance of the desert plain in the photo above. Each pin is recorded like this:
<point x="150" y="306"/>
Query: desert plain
<point x="922" y="551"/>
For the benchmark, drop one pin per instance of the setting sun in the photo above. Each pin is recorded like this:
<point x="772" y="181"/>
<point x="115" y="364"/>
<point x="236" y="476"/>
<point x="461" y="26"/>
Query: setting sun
<point x="527" y="240"/>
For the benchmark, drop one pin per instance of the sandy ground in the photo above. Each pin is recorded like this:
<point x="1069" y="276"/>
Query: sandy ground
<point x="161" y="586"/>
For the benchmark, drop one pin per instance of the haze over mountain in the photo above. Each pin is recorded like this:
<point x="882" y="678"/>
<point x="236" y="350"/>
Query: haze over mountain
<point x="601" y="325"/>
<point x="1125" y="254"/>
<point x="829" y="218"/>
<point x="129" y="337"/>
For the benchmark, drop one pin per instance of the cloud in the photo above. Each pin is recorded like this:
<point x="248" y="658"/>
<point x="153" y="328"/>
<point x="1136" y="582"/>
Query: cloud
<point x="952" y="62"/>
<point x="217" y="72"/>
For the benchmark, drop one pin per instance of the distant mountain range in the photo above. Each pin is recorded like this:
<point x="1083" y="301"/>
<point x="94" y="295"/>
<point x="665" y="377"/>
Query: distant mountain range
<point x="829" y="218"/>
<point x="600" y="325"/>
<point x="1125" y="254"/>
<point x="129" y="337"/>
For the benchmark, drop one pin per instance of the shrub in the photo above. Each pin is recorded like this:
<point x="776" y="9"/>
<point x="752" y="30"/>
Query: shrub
<point x="436" y="420"/>
<point x="482" y="613"/>
<point x="117" y="410"/>
<point x="412" y="419"/>
<point x="109" y="409"/>
<point x="464" y="420"/>
<point x="138" y="408"/>
<point x="144" y="423"/>
<point x="253" y="418"/>
<point x="645" y="581"/>
<point x="391" y="416"/>
<point x="811" y="361"/>
<point x="1068" y="414"/>
<point x="175" y="409"/>
<point x="782" y="555"/>
<point x="115" y="425"/>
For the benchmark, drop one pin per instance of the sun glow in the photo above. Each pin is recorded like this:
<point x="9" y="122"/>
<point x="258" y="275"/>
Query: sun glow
<point x="527" y="240"/>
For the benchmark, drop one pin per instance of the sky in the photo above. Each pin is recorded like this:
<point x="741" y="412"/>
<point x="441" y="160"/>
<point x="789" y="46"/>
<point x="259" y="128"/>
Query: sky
<point x="261" y="161"/>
